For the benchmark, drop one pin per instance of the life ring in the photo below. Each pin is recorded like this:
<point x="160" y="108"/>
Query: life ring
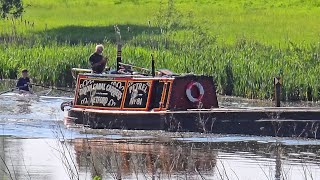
<point x="189" y="95"/>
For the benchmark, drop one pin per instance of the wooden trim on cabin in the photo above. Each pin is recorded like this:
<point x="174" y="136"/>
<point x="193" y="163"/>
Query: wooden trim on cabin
<point x="150" y="95"/>
<point x="124" y="95"/>
<point x="164" y="92"/>
<point x="169" y="93"/>
<point x="77" y="90"/>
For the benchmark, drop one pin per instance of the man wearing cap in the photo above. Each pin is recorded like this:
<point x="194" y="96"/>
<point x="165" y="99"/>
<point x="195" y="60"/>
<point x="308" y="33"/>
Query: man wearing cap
<point x="24" y="81"/>
<point x="97" y="61"/>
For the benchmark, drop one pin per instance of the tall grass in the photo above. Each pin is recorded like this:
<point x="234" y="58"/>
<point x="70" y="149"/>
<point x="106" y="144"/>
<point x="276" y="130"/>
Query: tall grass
<point x="47" y="64"/>
<point x="182" y="40"/>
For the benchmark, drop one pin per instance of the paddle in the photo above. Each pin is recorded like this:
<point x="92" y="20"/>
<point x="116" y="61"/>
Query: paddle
<point x="10" y="90"/>
<point x="50" y="87"/>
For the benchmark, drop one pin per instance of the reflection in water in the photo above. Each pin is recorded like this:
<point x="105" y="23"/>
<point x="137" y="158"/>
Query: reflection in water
<point x="3" y="169"/>
<point x="35" y="159"/>
<point x="147" y="159"/>
<point x="278" y="152"/>
<point x="154" y="158"/>
<point x="123" y="159"/>
<point x="10" y="162"/>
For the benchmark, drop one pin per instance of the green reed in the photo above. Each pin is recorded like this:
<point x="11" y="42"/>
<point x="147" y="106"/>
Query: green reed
<point x="243" y="67"/>
<point x="47" y="64"/>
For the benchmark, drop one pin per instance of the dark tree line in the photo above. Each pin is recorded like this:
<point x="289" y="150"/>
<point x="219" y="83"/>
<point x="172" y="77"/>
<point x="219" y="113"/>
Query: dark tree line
<point x="11" y="8"/>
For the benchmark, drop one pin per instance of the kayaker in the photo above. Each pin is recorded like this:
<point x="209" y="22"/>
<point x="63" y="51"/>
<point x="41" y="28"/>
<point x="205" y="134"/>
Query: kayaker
<point x="24" y="81"/>
<point x="97" y="61"/>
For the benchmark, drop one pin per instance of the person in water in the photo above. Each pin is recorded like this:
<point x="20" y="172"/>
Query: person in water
<point x="24" y="81"/>
<point x="97" y="61"/>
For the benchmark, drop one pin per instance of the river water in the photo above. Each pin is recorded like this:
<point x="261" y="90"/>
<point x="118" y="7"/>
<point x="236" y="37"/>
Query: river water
<point x="36" y="145"/>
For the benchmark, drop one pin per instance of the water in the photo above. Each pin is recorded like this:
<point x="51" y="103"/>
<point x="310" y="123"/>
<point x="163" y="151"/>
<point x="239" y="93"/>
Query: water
<point x="36" y="145"/>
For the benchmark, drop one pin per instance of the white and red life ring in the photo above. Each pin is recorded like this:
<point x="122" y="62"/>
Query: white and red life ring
<point x="200" y="89"/>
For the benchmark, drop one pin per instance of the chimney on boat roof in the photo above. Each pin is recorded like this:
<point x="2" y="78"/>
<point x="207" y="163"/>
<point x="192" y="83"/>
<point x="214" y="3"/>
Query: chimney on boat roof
<point x="119" y="56"/>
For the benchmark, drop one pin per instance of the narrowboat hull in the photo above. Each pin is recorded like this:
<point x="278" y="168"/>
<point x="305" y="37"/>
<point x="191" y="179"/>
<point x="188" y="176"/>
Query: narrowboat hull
<point x="265" y="121"/>
<point x="178" y="103"/>
<point x="166" y="101"/>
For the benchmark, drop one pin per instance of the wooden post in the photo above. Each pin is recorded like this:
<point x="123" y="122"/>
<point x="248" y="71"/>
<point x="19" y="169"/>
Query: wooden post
<point x="118" y="56"/>
<point x="277" y="90"/>
<point x="152" y="66"/>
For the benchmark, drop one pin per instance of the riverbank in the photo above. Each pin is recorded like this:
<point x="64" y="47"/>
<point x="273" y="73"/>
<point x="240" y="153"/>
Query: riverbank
<point x="243" y="45"/>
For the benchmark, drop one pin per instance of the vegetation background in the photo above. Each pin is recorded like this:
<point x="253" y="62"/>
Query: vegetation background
<point x="243" y="44"/>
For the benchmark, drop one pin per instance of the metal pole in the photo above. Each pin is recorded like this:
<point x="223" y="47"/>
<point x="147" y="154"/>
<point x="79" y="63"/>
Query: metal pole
<point x="277" y="91"/>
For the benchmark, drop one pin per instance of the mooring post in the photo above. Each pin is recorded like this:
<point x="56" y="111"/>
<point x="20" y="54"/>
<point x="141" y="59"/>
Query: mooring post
<point x="152" y="66"/>
<point x="118" y="56"/>
<point x="277" y="90"/>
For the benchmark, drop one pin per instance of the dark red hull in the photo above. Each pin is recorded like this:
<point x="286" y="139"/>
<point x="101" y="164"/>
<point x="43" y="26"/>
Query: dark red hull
<point x="297" y="122"/>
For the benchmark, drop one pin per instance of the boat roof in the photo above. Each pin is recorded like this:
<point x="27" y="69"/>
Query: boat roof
<point x="123" y="76"/>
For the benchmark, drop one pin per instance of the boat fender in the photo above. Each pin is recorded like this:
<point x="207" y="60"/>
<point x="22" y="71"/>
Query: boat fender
<point x="189" y="95"/>
<point x="66" y="104"/>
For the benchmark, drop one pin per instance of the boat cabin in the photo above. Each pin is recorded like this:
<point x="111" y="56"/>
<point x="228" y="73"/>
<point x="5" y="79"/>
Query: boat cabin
<point x="144" y="93"/>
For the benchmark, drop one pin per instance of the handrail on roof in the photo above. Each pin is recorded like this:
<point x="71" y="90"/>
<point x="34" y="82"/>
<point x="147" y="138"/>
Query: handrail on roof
<point x="76" y="71"/>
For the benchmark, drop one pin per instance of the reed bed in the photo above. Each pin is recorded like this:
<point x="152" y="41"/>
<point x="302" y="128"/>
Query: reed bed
<point x="243" y="67"/>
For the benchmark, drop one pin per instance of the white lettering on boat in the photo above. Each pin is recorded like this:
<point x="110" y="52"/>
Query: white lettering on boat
<point x="85" y="87"/>
<point x="117" y="85"/>
<point x="114" y="92"/>
<point x="84" y="101"/>
<point x="135" y="101"/>
<point x="103" y="93"/>
<point x="99" y="100"/>
<point x="138" y="86"/>
<point x="111" y="103"/>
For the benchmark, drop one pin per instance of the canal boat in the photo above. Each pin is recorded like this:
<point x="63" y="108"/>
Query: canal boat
<point x="167" y="101"/>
